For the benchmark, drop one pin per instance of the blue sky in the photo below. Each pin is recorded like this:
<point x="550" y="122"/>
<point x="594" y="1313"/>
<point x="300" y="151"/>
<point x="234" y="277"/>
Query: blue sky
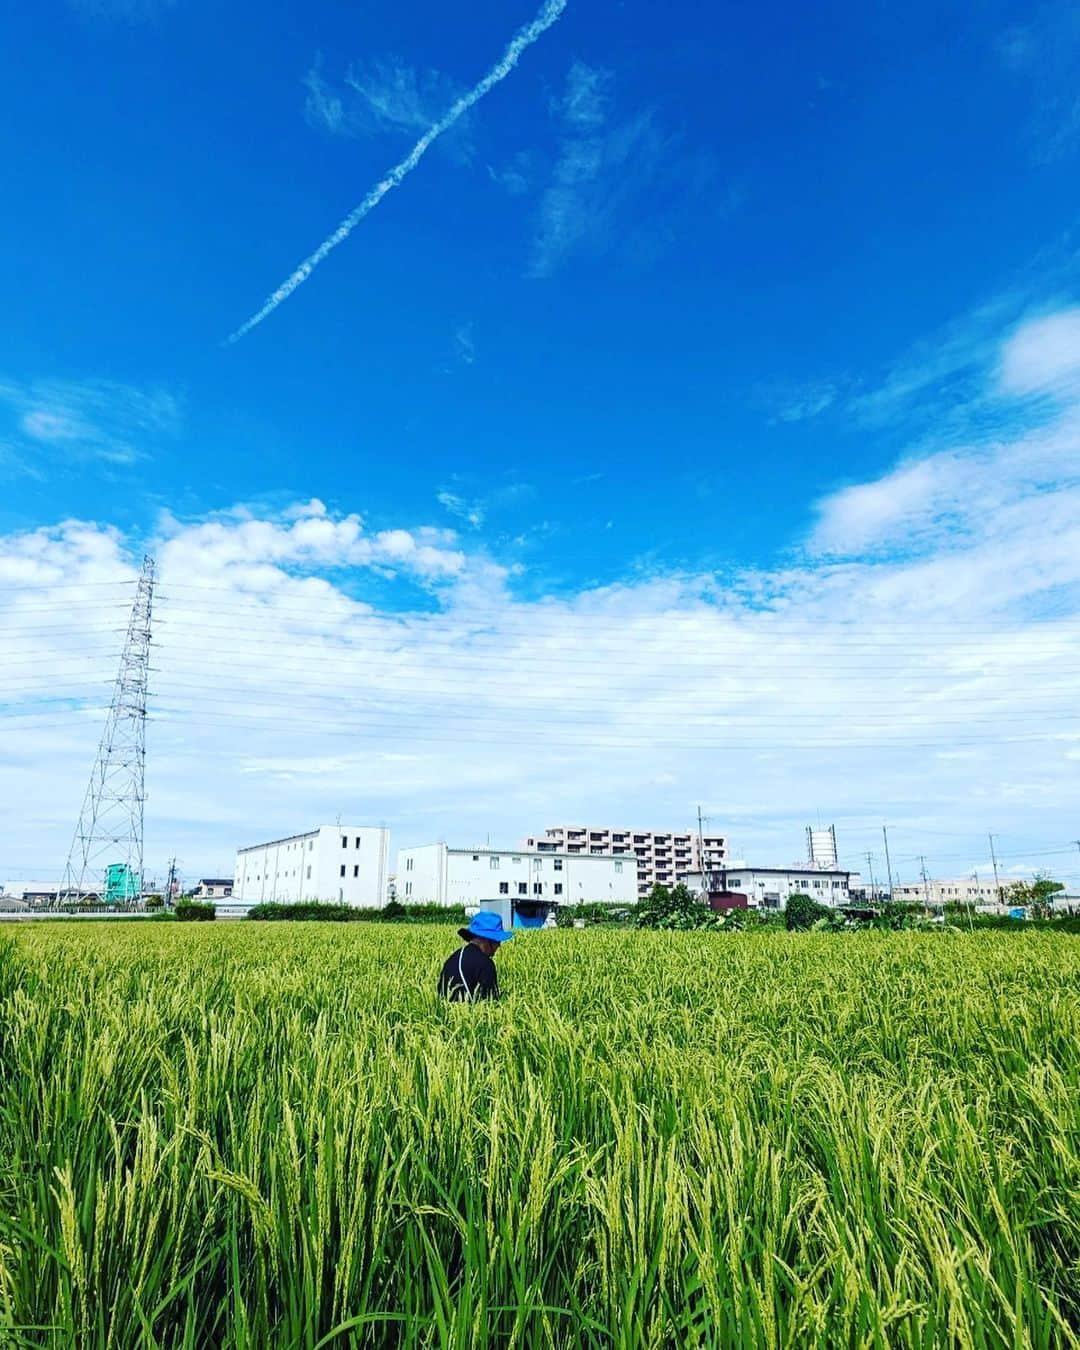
<point x="732" y="300"/>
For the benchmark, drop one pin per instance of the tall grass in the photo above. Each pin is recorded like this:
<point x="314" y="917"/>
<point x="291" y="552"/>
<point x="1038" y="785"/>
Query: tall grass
<point x="277" y="1137"/>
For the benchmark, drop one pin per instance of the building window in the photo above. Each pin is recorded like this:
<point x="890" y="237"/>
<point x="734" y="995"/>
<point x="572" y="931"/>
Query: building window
<point x="517" y="860"/>
<point x="618" y="867"/>
<point x="357" y="841"/>
<point x="537" y="864"/>
<point x="558" y="888"/>
<point x="344" y="841"/>
<point x="356" y="870"/>
<point x="504" y="888"/>
<point x="309" y="872"/>
<point x="342" y="869"/>
<point x="558" y="864"/>
<point x="523" y="888"/>
<point x="493" y="863"/>
<point x="408" y="864"/>
<point x="538" y="888"/>
<point x="408" y="888"/>
<point x="311" y="845"/>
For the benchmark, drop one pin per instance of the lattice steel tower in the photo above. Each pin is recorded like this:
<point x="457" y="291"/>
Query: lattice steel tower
<point x="107" y="850"/>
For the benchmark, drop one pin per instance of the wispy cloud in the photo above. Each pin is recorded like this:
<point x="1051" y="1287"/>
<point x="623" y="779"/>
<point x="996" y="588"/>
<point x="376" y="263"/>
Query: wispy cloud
<point x="472" y="512"/>
<point x="945" y="389"/>
<point x="524" y="39"/>
<point x="476" y="508"/>
<point x="124" y="11"/>
<point x="94" y="419"/>
<point x="516" y="176"/>
<point x="799" y="402"/>
<point x="385" y="97"/>
<point x="464" y="344"/>
<point x="603" y="165"/>
<point x="585" y="191"/>
<point x="1044" y="52"/>
<point x="973" y="491"/>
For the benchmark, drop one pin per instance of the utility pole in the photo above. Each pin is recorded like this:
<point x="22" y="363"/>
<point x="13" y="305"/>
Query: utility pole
<point x="706" y="883"/>
<point x="170" y="899"/>
<point x="993" y="859"/>
<point x="888" y="864"/>
<point x="107" y="847"/>
<point x="925" y="881"/>
<point x="870" y="865"/>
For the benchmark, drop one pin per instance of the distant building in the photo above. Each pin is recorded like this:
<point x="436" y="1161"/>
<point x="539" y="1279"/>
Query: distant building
<point x="343" y="864"/>
<point x="769" y="887"/>
<point x="659" y="855"/>
<point x="940" y="893"/>
<point x="213" y="888"/>
<point x="46" y="892"/>
<point x="438" y="874"/>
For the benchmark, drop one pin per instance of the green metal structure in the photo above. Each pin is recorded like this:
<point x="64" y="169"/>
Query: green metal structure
<point x="122" y="884"/>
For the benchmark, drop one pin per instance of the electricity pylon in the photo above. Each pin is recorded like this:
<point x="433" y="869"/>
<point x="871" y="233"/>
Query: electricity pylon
<point x="107" y="849"/>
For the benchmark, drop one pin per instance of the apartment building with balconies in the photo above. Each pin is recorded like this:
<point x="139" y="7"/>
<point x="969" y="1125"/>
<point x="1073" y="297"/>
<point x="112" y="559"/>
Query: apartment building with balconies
<point x="661" y="856"/>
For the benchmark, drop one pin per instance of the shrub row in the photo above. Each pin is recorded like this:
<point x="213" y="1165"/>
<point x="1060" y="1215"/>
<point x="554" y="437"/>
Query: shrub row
<point x="393" y="912"/>
<point x="194" y="911"/>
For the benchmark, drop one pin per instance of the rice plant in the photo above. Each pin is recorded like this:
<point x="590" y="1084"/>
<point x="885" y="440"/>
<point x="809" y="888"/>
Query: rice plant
<point x="252" y="1136"/>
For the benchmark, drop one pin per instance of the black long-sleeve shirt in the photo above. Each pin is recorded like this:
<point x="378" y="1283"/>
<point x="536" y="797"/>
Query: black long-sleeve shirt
<point x="468" y="974"/>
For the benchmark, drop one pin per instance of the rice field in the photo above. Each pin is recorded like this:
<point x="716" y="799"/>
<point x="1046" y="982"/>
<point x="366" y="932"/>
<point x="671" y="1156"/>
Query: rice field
<point x="274" y="1136"/>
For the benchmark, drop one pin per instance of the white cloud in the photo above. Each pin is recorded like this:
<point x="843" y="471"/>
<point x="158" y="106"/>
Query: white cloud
<point x="918" y="663"/>
<point x="1043" y="356"/>
<point x="936" y="689"/>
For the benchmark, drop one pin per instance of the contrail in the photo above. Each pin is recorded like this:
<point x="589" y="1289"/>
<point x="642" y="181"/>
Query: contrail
<point x="523" y="39"/>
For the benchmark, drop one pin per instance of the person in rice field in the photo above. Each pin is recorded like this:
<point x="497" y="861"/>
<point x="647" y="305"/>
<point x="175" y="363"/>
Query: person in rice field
<point x="470" y="973"/>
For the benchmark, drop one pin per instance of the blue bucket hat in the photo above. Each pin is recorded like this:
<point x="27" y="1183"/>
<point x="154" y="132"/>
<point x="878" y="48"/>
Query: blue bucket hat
<point x="485" y="925"/>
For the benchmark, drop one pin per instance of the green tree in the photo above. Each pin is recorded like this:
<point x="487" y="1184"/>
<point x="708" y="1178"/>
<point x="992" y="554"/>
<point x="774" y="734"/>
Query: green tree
<point x="803" y="911"/>
<point x="1036" y="896"/>
<point x="674" y="907"/>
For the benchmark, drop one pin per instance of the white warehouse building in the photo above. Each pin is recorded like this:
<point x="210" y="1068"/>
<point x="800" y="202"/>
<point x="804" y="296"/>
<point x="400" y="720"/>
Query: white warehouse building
<point x="344" y="864"/>
<point x="769" y="887"/>
<point x="437" y="874"/>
